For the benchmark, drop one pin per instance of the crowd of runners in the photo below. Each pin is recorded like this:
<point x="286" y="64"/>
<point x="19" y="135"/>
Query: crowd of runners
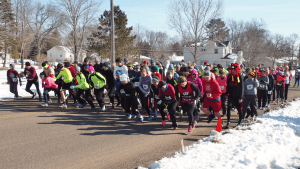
<point x="148" y="88"/>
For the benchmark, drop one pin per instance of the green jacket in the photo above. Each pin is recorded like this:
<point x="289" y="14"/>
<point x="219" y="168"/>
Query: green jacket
<point x="97" y="80"/>
<point x="82" y="84"/>
<point x="65" y="75"/>
<point x="225" y="71"/>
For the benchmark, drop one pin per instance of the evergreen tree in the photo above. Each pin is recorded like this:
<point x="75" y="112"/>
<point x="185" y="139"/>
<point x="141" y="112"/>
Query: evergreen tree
<point x="217" y="30"/>
<point x="100" y="40"/>
<point x="7" y="26"/>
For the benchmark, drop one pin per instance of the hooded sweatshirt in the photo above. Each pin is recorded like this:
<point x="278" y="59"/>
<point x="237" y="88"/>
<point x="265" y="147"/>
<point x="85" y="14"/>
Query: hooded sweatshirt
<point x="145" y="84"/>
<point x="66" y="75"/>
<point x="263" y="82"/>
<point x="212" y="90"/>
<point x="222" y="83"/>
<point x="12" y="76"/>
<point x="123" y="69"/>
<point x="197" y="81"/>
<point x="49" y="83"/>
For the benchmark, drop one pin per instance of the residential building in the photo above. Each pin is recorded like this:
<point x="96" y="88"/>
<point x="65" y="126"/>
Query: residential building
<point x="212" y="52"/>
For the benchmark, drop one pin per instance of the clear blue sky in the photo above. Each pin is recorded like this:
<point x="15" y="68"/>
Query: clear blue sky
<point x="281" y="16"/>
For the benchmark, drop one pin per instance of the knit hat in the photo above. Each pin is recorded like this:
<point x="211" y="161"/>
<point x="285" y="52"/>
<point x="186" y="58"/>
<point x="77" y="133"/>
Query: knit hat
<point x="27" y="64"/>
<point x="194" y="72"/>
<point x="96" y="59"/>
<point x="145" y="62"/>
<point x="206" y="74"/>
<point x="86" y="60"/>
<point x="161" y="84"/>
<point x="171" y="67"/>
<point x="67" y="64"/>
<point x="184" y="69"/>
<point x="152" y="61"/>
<point x="118" y="60"/>
<point x="59" y="66"/>
<point x="77" y="68"/>
<point x="153" y="69"/>
<point x="123" y="78"/>
<point x="125" y="60"/>
<point x="12" y="65"/>
<point x="205" y="63"/>
<point x="118" y="72"/>
<point x="137" y="67"/>
<point x="91" y="68"/>
<point x="236" y="67"/>
<point x="106" y="64"/>
<point x="44" y="64"/>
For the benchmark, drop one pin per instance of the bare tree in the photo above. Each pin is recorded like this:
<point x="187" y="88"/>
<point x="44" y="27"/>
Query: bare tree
<point x="294" y="42"/>
<point x="46" y="20"/>
<point x="78" y="14"/>
<point x="189" y="19"/>
<point x="23" y="10"/>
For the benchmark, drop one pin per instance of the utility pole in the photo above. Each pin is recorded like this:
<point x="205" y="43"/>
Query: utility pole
<point x="112" y="57"/>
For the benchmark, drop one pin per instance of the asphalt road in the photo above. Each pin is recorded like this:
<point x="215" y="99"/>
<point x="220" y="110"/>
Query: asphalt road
<point x="35" y="137"/>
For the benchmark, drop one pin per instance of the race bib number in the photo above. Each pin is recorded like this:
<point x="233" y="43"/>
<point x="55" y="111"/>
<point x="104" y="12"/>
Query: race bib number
<point x="249" y="87"/>
<point x="269" y="92"/>
<point x="136" y="84"/>
<point x="145" y="87"/>
<point x="157" y="97"/>
<point x="185" y="93"/>
<point x="168" y="97"/>
<point x="279" y="84"/>
<point x="14" y="79"/>
<point x="208" y="95"/>
<point x="222" y="87"/>
<point x="97" y="86"/>
<point x="262" y="86"/>
<point x="122" y="91"/>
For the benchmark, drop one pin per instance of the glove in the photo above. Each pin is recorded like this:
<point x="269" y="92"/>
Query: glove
<point x="152" y="100"/>
<point x="159" y="102"/>
<point x="191" y="102"/>
<point x="43" y="85"/>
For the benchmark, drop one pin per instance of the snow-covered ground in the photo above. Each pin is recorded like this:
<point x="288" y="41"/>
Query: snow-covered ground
<point x="273" y="143"/>
<point x="4" y="88"/>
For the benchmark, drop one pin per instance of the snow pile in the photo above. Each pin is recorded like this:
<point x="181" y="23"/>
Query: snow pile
<point x="4" y="88"/>
<point x="272" y="143"/>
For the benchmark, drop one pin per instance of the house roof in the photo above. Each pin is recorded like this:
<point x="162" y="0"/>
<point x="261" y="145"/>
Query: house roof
<point x="230" y="56"/>
<point x="65" y="48"/>
<point x="204" y="43"/>
<point x="290" y="58"/>
<point x="176" y="58"/>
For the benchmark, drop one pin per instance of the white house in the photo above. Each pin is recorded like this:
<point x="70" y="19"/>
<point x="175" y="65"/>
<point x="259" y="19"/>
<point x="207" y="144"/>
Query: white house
<point x="212" y="52"/>
<point x="63" y="53"/>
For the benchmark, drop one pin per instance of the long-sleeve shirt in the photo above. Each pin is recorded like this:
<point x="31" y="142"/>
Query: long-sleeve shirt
<point x="235" y="86"/>
<point x="212" y="89"/>
<point x="263" y="82"/>
<point x="12" y="76"/>
<point x="189" y="92"/>
<point x="123" y="69"/>
<point x="31" y="74"/>
<point x="127" y="90"/>
<point x="145" y="83"/>
<point x="49" y="83"/>
<point x="66" y="76"/>
<point x="250" y="87"/>
<point x="168" y="96"/>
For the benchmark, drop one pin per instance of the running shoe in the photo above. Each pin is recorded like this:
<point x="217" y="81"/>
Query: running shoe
<point x="140" y="120"/>
<point x="44" y="104"/>
<point x="103" y="108"/>
<point x="128" y="116"/>
<point x="227" y="126"/>
<point x="82" y="106"/>
<point x="33" y="96"/>
<point x="174" y="126"/>
<point x="168" y="117"/>
<point x="92" y="108"/>
<point x="163" y="123"/>
<point x="190" y="128"/>
<point x="211" y="118"/>
<point x="63" y="106"/>
<point x="150" y="118"/>
<point x="133" y="116"/>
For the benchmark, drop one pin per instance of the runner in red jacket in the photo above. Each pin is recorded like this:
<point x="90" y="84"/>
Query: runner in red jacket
<point x="213" y="92"/>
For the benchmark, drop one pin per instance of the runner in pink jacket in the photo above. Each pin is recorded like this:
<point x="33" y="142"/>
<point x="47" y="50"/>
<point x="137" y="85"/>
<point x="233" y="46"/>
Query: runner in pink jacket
<point x="197" y="81"/>
<point x="49" y="85"/>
